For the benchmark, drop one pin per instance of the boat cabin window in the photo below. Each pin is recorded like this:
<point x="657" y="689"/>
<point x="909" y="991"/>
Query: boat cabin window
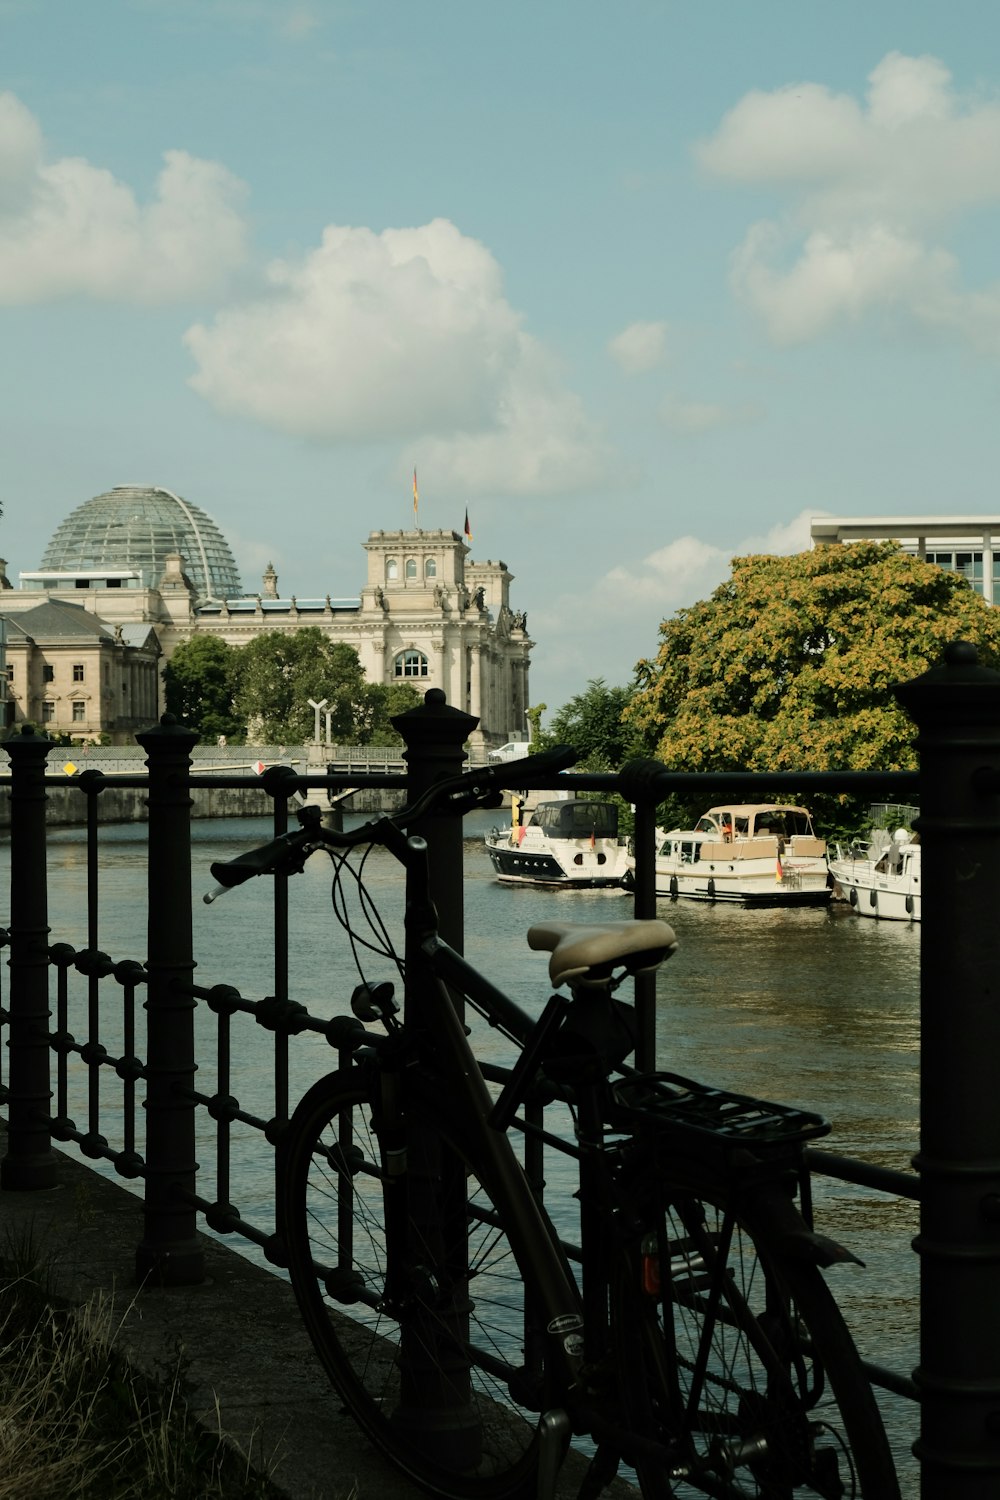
<point x="686" y="851"/>
<point x="721" y="825"/>
<point x="772" y="822"/>
<point x="783" y="823"/>
<point x="577" y="820"/>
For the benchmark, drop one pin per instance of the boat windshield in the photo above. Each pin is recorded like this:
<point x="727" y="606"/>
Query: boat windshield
<point x="786" y="822"/>
<point x="775" y="822"/>
<point x="577" y="820"/>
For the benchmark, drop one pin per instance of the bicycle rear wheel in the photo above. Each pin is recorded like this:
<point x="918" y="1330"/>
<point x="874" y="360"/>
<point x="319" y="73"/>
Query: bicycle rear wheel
<point x="426" y="1367"/>
<point x="748" y="1372"/>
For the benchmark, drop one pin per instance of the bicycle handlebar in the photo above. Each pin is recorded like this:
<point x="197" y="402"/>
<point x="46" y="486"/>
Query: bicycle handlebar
<point x="456" y="794"/>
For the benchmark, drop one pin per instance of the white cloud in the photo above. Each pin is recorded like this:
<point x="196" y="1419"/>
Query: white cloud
<point x="688" y="569"/>
<point x="402" y="335"/>
<point x="865" y="182"/>
<point x="692" y="418"/>
<point x="781" y="539"/>
<point x="639" y="347"/>
<point x="68" y="228"/>
<point x="299" y="21"/>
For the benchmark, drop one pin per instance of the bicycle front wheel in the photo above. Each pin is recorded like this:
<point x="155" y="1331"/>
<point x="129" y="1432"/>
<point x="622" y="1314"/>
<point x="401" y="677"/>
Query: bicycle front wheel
<point x="749" y="1375"/>
<point x="426" y="1365"/>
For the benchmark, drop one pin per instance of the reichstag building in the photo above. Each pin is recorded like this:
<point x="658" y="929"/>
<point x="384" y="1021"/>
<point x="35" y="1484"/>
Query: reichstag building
<point x="132" y="573"/>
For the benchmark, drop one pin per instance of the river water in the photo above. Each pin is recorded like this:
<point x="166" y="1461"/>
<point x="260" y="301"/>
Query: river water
<point x="811" y="1007"/>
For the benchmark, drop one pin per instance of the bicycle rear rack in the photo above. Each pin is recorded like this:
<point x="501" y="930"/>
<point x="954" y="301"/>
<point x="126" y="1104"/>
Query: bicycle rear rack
<point x="659" y="1100"/>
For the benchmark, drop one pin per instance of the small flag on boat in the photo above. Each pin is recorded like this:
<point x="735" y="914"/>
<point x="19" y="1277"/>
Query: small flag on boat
<point x="416" y="497"/>
<point x="779" y="873"/>
<point x="468" y="528"/>
<point x="593" y="840"/>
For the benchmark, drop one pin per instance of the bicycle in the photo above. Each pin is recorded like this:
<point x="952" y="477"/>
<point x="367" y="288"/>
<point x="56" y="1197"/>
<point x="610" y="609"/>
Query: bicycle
<point x="688" y="1335"/>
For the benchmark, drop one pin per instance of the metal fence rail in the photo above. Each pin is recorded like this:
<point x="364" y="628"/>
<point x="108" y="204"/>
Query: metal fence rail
<point x="957" y="710"/>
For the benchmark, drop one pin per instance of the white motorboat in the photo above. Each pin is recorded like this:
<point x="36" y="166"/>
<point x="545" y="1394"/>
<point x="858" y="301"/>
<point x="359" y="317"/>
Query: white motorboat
<point x="759" y="854"/>
<point x="882" y="879"/>
<point x="570" y="842"/>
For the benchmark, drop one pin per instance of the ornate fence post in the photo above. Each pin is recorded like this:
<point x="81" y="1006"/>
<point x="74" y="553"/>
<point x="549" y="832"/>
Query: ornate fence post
<point x="30" y="1161"/>
<point x="434" y="735"/>
<point x="170" y="1252"/>
<point x="435" y="1392"/>
<point x="957" y="709"/>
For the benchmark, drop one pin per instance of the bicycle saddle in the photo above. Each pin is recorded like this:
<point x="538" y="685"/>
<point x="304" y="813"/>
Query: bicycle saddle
<point x="577" y="948"/>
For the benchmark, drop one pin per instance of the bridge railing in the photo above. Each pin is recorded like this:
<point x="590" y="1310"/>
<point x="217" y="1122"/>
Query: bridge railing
<point x="957" y="711"/>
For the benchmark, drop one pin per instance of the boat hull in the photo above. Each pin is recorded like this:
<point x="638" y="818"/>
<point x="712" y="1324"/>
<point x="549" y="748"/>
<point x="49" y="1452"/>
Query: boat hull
<point x="576" y="869"/>
<point x="742" y="887"/>
<point x="886" y="897"/>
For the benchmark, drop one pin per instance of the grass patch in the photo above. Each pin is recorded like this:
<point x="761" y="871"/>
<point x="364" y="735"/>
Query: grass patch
<point x="77" y="1422"/>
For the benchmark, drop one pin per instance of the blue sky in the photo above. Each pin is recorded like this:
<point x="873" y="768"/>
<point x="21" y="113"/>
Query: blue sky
<point x="643" y="286"/>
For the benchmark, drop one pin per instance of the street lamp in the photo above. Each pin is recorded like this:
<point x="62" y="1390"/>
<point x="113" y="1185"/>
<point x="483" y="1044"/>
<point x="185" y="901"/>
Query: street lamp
<point x="317" y="709"/>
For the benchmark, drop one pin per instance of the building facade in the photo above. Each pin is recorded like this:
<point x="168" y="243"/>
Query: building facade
<point x="427" y="614"/>
<point x="969" y="545"/>
<point x="72" y="673"/>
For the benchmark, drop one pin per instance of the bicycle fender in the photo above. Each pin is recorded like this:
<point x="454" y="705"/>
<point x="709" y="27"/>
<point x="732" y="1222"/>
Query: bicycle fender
<point x="817" y="1249"/>
<point x="793" y="1235"/>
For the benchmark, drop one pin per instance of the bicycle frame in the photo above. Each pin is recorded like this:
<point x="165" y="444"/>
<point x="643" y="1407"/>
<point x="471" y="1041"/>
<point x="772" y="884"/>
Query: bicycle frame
<point x="433" y="1018"/>
<point x="577" y="1327"/>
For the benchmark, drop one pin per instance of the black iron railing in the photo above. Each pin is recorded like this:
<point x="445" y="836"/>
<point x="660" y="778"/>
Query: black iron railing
<point x="957" y="711"/>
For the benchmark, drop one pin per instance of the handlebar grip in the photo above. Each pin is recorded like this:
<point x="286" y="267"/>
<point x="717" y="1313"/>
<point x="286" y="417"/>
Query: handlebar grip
<point x="639" y="779"/>
<point x="263" y="861"/>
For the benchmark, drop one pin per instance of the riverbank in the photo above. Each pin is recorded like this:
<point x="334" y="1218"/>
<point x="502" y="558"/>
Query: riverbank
<point x="250" y="1370"/>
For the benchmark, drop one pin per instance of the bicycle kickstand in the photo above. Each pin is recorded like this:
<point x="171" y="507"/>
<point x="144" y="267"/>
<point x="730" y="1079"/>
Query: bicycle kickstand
<point x="553" y="1441"/>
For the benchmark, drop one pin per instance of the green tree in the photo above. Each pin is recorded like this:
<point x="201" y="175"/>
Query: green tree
<point x="790" y="664"/>
<point x="277" y="674"/>
<point x="200" y="680"/>
<point x="594" y="723"/>
<point x="379" y="704"/>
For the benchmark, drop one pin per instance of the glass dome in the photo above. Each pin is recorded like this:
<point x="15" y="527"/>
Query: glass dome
<point x="136" y="526"/>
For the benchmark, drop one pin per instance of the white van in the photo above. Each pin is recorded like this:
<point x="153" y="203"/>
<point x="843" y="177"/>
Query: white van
<point x="513" y="750"/>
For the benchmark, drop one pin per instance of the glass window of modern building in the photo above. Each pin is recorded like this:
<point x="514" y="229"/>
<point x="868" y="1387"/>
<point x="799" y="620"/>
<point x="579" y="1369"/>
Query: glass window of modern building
<point x="133" y="529"/>
<point x="960" y="544"/>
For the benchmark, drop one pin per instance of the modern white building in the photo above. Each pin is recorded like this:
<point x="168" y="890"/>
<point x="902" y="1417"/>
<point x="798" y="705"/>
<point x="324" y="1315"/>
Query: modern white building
<point x="969" y="545"/>
<point x="141" y="560"/>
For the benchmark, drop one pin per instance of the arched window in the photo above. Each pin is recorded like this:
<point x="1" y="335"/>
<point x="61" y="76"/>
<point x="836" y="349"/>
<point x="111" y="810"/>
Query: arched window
<point x="430" y="568"/>
<point x="410" y="664"/>
<point x="411" y="567"/>
<point x="391" y="569"/>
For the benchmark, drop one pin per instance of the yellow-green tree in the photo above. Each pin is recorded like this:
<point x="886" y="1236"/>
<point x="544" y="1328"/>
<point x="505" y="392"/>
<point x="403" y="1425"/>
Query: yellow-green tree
<point x="790" y="664"/>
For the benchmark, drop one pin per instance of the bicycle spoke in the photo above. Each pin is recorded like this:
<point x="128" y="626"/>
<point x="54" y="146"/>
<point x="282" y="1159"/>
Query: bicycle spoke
<point x="433" y="1346"/>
